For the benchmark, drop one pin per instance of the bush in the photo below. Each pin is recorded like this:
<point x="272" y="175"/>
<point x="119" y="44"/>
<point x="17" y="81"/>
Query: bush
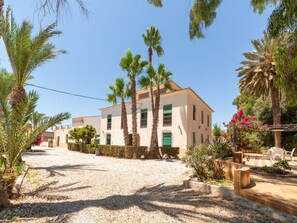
<point x="203" y="159"/>
<point x="171" y="152"/>
<point x="122" y="151"/>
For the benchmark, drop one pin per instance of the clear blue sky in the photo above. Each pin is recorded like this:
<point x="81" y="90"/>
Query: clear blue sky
<point x="95" y="46"/>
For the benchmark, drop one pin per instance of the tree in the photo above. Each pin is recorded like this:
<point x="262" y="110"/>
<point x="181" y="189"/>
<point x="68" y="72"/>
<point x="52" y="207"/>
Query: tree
<point x="83" y="134"/>
<point x="133" y="65"/>
<point x="16" y="137"/>
<point x="158" y="78"/>
<point x="152" y="40"/>
<point x="121" y="90"/>
<point x="258" y="76"/>
<point x="26" y="53"/>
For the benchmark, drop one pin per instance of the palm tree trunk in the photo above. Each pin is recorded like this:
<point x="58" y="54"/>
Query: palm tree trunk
<point x="125" y="123"/>
<point x="134" y="112"/>
<point x="276" y="112"/>
<point x="18" y="95"/>
<point x="154" y="153"/>
<point x="4" y="198"/>
<point x="1" y="12"/>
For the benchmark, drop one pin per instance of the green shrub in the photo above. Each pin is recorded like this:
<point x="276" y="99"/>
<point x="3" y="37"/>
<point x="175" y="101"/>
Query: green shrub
<point x="122" y="151"/>
<point x="203" y="160"/>
<point x="283" y="165"/>
<point x="221" y="149"/>
<point x="91" y="148"/>
<point x="171" y="152"/>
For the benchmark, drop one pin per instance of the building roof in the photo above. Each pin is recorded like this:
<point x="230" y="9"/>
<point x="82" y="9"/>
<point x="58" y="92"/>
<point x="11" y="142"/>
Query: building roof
<point x="177" y="89"/>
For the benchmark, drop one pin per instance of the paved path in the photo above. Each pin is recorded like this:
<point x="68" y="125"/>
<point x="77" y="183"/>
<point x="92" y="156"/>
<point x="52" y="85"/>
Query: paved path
<point x="65" y="186"/>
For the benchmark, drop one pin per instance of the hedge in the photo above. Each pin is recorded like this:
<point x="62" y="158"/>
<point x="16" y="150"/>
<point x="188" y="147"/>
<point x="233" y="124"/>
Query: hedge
<point x="171" y="152"/>
<point x="128" y="152"/>
<point x="123" y="151"/>
<point x="81" y="147"/>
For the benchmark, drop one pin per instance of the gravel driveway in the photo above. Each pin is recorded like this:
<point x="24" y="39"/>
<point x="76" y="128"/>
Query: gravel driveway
<point x="65" y="186"/>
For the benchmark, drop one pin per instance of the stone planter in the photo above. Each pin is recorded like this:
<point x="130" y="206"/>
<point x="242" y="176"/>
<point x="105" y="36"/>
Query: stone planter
<point x="202" y="188"/>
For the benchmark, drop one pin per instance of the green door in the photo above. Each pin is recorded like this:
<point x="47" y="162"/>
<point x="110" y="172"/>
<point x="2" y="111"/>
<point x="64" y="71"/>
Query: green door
<point x="167" y="139"/>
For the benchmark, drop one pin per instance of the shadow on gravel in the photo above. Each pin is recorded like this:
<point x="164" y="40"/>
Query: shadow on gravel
<point x="173" y="201"/>
<point x="53" y="170"/>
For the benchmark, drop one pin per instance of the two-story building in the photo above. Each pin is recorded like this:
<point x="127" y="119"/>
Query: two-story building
<point x="184" y="119"/>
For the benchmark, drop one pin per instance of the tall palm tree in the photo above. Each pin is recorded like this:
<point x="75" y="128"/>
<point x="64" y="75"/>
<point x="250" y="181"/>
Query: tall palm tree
<point x="258" y="76"/>
<point x="133" y="65"/>
<point x="158" y="78"/>
<point x="152" y="40"/>
<point x="121" y="90"/>
<point x="26" y="52"/>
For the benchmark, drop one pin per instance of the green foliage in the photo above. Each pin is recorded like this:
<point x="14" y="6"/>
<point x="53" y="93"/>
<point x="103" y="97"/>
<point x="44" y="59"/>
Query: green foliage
<point x="25" y="52"/>
<point x="202" y="15"/>
<point x="120" y="89"/>
<point x="157" y="3"/>
<point x="283" y="165"/>
<point x="20" y="168"/>
<point x="216" y="131"/>
<point x="84" y="134"/>
<point x="15" y="137"/>
<point x="153" y="40"/>
<point x="123" y="151"/>
<point x="221" y="149"/>
<point x="203" y="160"/>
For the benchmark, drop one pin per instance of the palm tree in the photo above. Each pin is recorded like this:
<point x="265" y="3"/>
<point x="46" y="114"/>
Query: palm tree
<point x="121" y="90"/>
<point x="16" y="137"/>
<point x="25" y="52"/>
<point x="152" y="40"/>
<point x="158" y="78"/>
<point x="258" y="76"/>
<point x="133" y="65"/>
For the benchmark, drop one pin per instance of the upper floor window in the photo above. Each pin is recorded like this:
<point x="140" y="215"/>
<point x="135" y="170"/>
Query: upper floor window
<point x="194" y="112"/>
<point x="208" y="120"/>
<point x="143" y="95"/>
<point x="167" y="115"/>
<point x="108" y="121"/>
<point x="202" y="138"/>
<point x="202" y="117"/>
<point x="143" y="118"/>
<point x="162" y="91"/>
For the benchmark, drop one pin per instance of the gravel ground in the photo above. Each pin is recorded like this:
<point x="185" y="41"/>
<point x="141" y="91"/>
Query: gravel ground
<point x="65" y="186"/>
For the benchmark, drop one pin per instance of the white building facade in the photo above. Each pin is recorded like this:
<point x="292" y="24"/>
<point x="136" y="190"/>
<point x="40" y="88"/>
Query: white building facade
<point x="184" y="119"/>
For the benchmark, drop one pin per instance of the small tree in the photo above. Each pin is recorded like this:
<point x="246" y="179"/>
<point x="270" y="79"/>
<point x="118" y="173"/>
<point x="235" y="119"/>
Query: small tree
<point x="84" y="134"/>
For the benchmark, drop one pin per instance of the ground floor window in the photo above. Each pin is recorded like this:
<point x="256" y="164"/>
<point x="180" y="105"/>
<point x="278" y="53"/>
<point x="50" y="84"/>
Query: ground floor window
<point x="108" y="139"/>
<point x="194" y="139"/>
<point x="167" y="139"/>
<point x="202" y="138"/>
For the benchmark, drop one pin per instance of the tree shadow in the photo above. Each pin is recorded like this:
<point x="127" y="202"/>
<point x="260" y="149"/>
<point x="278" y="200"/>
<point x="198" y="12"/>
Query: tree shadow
<point x="174" y="201"/>
<point x="53" y="170"/>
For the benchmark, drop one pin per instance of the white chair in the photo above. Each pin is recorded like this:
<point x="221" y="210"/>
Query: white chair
<point x="290" y="154"/>
<point x="278" y="152"/>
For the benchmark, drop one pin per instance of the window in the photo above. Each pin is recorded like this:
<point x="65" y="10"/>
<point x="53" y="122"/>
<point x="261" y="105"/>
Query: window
<point x="109" y="122"/>
<point x="207" y="138"/>
<point x="194" y="138"/>
<point x="202" y="139"/>
<point x="167" y="115"/>
<point x="162" y="91"/>
<point x="194" y="112"/>
<point x="143" y="95"/>
<point x="202" y="117"/>
<point x="108" y="139"/>
<point x="143" y="118"/>
<point x="66" y="138"/>
<point x="167" y="139"/>
<point x="208" y="121"/>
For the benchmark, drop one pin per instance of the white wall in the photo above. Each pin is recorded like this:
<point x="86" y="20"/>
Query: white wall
<point x="196" y="125"/>
<point x="178" y="128"/>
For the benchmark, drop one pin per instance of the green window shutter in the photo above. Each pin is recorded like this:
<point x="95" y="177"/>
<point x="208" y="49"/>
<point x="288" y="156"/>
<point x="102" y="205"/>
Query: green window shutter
<point x="143" y="111"/>
<point x="167" y="139"/>
<point x="108" y="117"/>
<point x="167" y="109"/>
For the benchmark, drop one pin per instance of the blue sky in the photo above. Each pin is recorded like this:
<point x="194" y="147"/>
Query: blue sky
<point x="96" y="45"/>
